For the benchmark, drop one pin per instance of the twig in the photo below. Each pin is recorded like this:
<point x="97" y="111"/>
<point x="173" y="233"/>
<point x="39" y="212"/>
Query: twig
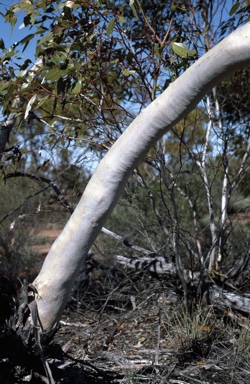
<point x="61" y="198"/>
<point x="126" y="242"/>
<point x="148" y="24"/>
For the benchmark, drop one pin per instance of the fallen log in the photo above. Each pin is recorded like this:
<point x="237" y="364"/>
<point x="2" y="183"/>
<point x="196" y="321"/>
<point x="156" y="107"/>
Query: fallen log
<point x="223" y="295"/>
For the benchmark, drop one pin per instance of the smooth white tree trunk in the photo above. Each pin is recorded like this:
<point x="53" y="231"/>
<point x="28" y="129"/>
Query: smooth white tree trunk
<point x="61" y="265"/>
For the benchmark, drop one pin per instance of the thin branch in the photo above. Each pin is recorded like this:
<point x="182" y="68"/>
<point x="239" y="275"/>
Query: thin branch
<point x="153" y="203"/>
<point x="224" y="193"/>
<point x="167" y="33"/>
<point x="202" y="168"/>
<point x="208" y="133"/>
<point x="148" y="24"/>
<point x="60" y="197"/>
<point x="64" y="202"/>
<point x="194" y="214"/>
<point x="237" y="178"/>
<point x="126" y="242"/>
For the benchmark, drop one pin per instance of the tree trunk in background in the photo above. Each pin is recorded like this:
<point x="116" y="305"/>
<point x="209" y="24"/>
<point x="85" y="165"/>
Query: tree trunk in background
<point x="9" y="123"/>
<point x="5" y="130"/>
<point x="68" y="252"/>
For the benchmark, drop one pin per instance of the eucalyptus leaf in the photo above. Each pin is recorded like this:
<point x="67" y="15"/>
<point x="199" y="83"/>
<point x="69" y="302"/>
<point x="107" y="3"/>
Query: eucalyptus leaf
<point x="2" y="44"/>
<point x="181" y="50"/>
<point x="42" y="101"/>
<point x="17" y="7"/>
<point x="128" y="72"/>
<point x="110" y="27"/>
<point x="55" y="74"/>
<point x="29" y="106"/>
<point x="26" y="40"/>
<point x="48" y="37"/>
<point x="204" y="18"/>
<point x="3" y="86"/>
<point x="77" y="88"/>
<point x="122" y="19"/>
<point x="134" y="12"/>
<point x="234" y="8"/>
<point x="22" y="73"/>
<point x="157" y="52"/>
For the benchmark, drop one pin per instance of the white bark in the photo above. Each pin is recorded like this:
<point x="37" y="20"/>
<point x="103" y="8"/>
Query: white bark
<point x="105" y="187"/>
<point x="224" y="192"/>
<point x="203" y="173"/>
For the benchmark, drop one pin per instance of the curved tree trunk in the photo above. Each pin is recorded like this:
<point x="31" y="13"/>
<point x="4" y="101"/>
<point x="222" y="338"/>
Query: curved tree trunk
<point x="61" y="265"/>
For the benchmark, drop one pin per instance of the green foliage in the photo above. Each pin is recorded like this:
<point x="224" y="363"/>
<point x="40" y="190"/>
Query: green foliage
<point x="240" y="7"/>
<point x="17" y="213"/>
<point x="236" y="106"/>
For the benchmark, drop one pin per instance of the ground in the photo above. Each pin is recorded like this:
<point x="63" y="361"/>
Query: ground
<point x="131" y="327"/>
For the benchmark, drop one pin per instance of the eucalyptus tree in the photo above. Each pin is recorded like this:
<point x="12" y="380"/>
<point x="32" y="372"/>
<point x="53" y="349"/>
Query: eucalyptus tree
<point x="99" y="65"/>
